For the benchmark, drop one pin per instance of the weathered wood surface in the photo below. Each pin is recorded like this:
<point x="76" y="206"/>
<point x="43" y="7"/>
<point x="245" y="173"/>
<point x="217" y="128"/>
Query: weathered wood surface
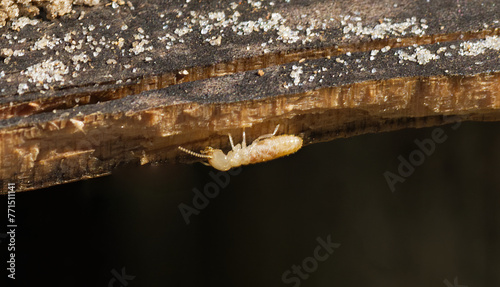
<point x="327" y="70"/>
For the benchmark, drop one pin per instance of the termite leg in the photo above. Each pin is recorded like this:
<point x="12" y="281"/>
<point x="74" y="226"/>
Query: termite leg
<point x="244" y="142"/>
<point x="268" y="135"/>
<point x="276" y="129"/>
<point x="231" y="140"/>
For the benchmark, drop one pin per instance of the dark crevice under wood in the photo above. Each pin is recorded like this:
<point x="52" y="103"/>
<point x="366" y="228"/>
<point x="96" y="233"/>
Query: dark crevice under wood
<point x="89" y="127"/>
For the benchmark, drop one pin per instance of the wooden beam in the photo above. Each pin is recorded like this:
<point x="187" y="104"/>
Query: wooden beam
<point x="72" y="111"/>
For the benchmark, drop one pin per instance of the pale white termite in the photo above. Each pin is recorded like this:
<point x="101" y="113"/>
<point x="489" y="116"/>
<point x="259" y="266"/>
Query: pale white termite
<point x="264" y="148"/>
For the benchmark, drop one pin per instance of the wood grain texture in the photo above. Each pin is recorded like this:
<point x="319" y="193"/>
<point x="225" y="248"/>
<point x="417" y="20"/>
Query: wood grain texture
<point x="363" y="66"/>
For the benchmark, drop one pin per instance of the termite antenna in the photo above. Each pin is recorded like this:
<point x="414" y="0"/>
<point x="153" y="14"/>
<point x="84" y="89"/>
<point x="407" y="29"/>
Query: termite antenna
<point x="194" y="153"/>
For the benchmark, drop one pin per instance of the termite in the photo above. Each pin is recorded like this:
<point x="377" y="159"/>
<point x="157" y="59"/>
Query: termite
<point x="263" y="148"/>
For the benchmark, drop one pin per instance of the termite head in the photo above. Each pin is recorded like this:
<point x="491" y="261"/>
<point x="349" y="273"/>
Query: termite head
<point x="219" y="160"/>
<point x="216" y="158"/>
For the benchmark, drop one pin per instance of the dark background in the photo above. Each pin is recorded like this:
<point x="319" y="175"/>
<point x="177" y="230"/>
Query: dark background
<point x="442" y="222"/>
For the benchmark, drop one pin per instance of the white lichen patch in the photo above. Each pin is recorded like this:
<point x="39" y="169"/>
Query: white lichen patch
<point x="287" y="35"/>
<point x="11" y="9"/>
<point x="408" y="27"/>
<point x="441" y="50"/>
<point x="214" y="41"/>
<point x="46" y="42"/>
<point x="385" y="49"/>
<point x="479" y="47"/>
<point x="277" y="23"/>
<point x="6" y="52"/>
<point x="214" y="26"/>
<point x="82" y="57"/>
<point x="218" y="15"/>
<point x="139" y="47"/>
<point x="255" y="4"/>
<point x="420" y="55"/>
<point x="48" y="71"/>
<point x="19" y="23"/>
<point x="295" y="74"/>
<point x="423" y="56"/>
<point x="183" y="31"/>
<point x="22" y="88"/>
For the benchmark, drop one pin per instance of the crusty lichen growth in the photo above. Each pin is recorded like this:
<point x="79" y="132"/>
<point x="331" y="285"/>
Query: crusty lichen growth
<point x="11" y="9"/>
